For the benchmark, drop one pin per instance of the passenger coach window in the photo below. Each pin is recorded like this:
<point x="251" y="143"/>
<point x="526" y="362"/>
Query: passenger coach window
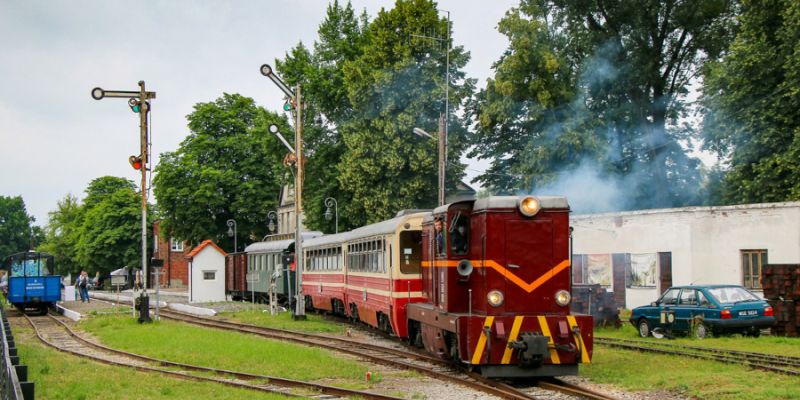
<point x="410" y="251"/>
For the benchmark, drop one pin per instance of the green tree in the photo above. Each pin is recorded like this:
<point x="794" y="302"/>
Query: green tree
<point x="321" y="74"/>
<point x="62" y="234"/>
<point x="599" y="82"/>
<point x="752" y="98"/>
<point x="229" y="167"/>
<point x="396" y="84"/>
<point x="109" y="236"/>
<point x="15" y="226"/>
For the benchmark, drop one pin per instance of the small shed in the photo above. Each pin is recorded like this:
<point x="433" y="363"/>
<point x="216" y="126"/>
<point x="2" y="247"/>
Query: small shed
<point x="206" y="273"/>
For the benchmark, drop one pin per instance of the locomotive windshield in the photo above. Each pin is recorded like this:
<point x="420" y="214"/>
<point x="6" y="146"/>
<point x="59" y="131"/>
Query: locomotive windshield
<point x="29" y="264"/>
<point x="459" y="234"/>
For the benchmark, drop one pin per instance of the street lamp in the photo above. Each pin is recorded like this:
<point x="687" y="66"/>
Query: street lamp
<point x="331" y="202"/>
<point x="444" y="120"/>
<point x="442" y="154"/>
<point x="272" y="216"/>
<point x="232" y="232"/>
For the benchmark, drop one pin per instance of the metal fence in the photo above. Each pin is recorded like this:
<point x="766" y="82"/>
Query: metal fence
<point x="13" y="376"/>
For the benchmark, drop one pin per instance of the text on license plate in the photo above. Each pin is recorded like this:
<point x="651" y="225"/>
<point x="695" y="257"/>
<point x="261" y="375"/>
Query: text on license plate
<point x="748" y="312"/>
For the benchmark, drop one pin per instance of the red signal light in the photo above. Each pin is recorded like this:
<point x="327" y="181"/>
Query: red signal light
<point x="136" y="162"/>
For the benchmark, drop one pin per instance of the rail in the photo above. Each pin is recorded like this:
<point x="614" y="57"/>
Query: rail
<point x="13" y="376"/>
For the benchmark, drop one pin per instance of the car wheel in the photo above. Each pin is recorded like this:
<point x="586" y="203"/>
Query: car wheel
<point x="644" y="328"/>
<point x="701" y="331"/>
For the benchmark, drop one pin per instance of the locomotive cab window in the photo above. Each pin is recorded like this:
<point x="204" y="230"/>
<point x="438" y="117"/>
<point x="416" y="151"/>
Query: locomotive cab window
<point x="459" y="234"/>
<point x="439" y="238"/>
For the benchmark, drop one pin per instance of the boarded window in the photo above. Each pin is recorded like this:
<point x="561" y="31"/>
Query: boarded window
<point x="752" y="262"/>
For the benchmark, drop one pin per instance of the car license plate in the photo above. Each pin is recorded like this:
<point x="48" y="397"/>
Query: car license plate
<point x="748" y="313"/>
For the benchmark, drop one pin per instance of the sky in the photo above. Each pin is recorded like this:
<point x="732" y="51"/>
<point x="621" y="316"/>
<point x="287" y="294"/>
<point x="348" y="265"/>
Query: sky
<point x="54" y="138"/>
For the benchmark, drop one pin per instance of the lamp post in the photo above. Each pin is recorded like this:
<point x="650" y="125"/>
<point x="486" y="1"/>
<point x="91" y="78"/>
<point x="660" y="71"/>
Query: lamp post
<point x="331" y="202"/>
<point x="232" y="232"/>
<point x="272" y="216"/>
<point x="444" y="118"/>
<point x="442" y="155"/>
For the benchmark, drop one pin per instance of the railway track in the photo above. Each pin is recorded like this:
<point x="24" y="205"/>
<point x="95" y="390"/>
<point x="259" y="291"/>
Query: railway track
<point x="767" y="362"/>
<point x="399" y="358"/>
<point x="57" y="334"/>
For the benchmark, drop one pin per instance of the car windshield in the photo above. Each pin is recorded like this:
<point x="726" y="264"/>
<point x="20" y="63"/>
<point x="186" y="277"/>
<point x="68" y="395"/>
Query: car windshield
<point x="733" y="294"/>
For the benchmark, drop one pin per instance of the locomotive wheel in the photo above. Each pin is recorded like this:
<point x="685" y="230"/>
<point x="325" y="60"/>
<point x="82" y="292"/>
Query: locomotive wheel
<point x="453" y="347"/>
<point x="415" y="334"/>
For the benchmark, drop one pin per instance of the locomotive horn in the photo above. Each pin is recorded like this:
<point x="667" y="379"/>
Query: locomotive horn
<point x="464" y="268"/>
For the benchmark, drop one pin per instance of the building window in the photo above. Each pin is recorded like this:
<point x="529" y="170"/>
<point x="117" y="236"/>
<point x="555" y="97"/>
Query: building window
<point x="209" y="275"/>
<point x="175" y="245"/>
<point x="752" y="261"/>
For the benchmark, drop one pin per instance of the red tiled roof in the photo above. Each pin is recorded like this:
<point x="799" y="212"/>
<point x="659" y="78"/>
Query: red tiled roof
<point x="202" y="246"/>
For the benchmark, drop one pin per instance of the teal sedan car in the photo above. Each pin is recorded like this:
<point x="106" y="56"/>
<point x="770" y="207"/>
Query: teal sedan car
<point x="704" y="310"/>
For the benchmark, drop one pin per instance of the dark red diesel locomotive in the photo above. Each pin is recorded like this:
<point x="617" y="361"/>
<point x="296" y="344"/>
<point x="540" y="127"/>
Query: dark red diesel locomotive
<point x="496" y="286"/>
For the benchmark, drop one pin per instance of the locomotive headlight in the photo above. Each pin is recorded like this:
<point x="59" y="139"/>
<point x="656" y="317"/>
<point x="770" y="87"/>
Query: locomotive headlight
<point x="563" y="297"/>
<point x="529" y="206"/>
<point x="495" y="298"/>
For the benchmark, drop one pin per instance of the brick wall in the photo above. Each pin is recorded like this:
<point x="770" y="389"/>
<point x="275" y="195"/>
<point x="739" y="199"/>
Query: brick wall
<point x="781" y="284"/>
<point x="176" y="266"/>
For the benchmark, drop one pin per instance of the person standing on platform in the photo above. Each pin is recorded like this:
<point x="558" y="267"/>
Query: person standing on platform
<point x="83" y="286"/>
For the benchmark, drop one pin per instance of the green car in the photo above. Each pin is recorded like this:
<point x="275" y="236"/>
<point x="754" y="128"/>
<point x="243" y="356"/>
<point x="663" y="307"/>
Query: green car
<point x="704" y="310"/>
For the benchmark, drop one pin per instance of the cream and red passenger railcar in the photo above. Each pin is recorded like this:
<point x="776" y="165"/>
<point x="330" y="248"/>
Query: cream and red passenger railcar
<point x="497" y="295"/>
<point x="369" y="274"/>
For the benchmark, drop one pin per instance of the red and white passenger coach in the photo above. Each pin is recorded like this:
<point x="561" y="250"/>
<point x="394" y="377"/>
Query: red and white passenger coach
<point x="369" y="274"/>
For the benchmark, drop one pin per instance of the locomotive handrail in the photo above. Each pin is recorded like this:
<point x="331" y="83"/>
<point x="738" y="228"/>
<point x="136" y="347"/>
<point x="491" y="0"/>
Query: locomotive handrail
<point x="10" y="388"/>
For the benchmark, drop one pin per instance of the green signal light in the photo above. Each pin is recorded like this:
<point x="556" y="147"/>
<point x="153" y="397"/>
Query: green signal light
<point x="134" y="104"/>
<point x="287" y="106"/>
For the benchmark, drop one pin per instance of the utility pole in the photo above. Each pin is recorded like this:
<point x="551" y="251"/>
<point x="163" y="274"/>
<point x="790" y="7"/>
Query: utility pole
<point x="442" y="156"/>
<point x="138" y="102"/>
<point x="444" y="118"/>
<point x="295" y="102"/>
<point x="300" y="311"/>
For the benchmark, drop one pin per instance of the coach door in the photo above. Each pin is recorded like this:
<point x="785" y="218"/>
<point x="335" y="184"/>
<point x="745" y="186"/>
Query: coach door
<point x="432" y="283"/>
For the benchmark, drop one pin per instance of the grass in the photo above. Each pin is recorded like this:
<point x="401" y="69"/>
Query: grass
<point x="61" y="376"/>
<point x="764" y="344"/>
<point x="697" y="378"/>
<point x="700" y="379"/>
<point x="224" y="350"/>
<point x="313" y="323"/>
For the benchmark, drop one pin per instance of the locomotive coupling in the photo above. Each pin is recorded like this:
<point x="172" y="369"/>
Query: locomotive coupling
<point x="532" y="348"/>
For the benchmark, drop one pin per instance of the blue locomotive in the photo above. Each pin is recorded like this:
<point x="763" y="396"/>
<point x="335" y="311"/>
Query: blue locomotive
<point x="30" y="284"/>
